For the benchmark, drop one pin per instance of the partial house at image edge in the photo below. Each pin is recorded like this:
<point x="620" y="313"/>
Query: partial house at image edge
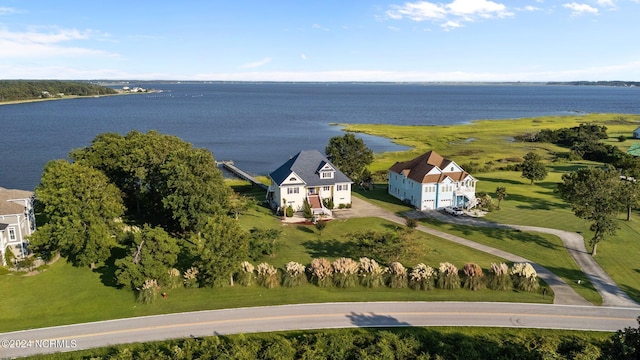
<point x="17" y="221"/>
<point x="308" y="175"/>
<point x="430" y="182"/>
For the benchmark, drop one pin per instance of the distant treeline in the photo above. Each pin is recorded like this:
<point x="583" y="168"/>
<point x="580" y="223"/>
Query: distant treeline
<point x="16" y="90"/>
<point x="596" y="83"/>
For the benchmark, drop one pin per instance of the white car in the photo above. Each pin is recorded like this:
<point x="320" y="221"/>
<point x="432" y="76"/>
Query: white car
<point x="456" y="211"/>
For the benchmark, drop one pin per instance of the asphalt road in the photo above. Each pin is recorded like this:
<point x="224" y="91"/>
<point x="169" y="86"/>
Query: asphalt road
<point x="313" y="316"/>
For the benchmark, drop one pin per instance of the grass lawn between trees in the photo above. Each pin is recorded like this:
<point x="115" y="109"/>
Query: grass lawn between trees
<point x="34" y="301"/>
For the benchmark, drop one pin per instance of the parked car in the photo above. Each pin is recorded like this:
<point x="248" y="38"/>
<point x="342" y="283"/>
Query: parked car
<point x="453" y="210"/>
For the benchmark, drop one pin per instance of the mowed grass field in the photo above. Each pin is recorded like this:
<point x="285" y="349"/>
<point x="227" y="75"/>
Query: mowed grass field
<point x="493" y="143"/>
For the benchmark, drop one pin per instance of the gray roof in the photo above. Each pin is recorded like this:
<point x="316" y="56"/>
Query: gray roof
<point x="7" y="207"/>
<point x="306" y="164"/>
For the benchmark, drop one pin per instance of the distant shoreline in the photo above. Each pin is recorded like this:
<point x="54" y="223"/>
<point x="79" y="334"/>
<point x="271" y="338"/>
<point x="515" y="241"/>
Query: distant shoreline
<point x="70" y="97"/>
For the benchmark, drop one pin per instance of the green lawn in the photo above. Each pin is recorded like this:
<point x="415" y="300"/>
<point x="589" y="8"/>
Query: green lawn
<point x="491" y="143"/>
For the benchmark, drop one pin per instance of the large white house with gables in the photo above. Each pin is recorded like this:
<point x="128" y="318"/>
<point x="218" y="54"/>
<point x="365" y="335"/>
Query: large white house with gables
<point x="431" y="182"/>
<point x="308" y="175"/>
<point x="17" y="221"/>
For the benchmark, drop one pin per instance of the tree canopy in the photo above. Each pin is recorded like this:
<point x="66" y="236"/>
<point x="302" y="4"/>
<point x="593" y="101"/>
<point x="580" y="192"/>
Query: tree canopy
<point x="81" y="207"/>
<point x="532" y="168"/>
<point x="594" y="195"/>
<point x="12" y="90"/>
<point x="165" y="181"/>
<point x="351" y="155"/>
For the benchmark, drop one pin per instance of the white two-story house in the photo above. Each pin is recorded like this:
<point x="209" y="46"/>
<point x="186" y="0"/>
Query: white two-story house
<point x="17" y="221"/>
<point x="431" y="182"/>
<point x="308" y="175"/>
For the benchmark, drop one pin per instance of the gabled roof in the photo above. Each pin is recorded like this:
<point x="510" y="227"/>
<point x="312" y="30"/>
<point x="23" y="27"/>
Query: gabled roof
<point x="307" y="164"/>
<point x="418" y="169"/>
<point x="7" y="207"/>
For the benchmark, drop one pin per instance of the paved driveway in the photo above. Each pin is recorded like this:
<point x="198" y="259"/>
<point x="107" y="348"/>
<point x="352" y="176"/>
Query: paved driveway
<point x="611" y="294"/>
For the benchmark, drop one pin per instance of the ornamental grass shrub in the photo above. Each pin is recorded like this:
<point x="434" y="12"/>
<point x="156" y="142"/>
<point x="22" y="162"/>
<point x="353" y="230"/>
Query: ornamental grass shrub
<point x="190" y="277"/>
<point x="398" y="277"/>
<point x="371" y="273"/>
<point x="294" y="274"/>
<point x="524" y="277"/>
<point x="500" y="279"/>
<point x="473" y="277"/>
<point x="148" y="291"/>
<point x="345" y="272"/>
<point x="422" y="277"/>
<point x="321" y="272"/>
<point x="448" y="277"/>
<point x="267" y="276"/>
<point x="175" y="278"/>
<point x="246" y="275"/>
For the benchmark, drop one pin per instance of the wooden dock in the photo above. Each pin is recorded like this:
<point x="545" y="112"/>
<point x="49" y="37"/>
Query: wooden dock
<point x="230" y="167"/>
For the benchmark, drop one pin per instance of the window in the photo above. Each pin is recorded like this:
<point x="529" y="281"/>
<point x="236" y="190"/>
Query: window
<point x="326" y="188"/>
<point x="12" y="234"/>
<point x="293" y="179"/>
<point x="342" y="187"/>
<point x="293" y="190"/>
<point x="326" y="174"/>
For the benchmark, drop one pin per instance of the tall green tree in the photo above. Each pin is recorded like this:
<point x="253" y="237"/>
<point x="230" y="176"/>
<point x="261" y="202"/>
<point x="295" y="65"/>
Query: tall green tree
<point x="594" y="196"/>
<point x="152" y="253"/>
<point x="629" y="195"/>
<point x="165" y="180"/>
<point x="192" y="189"/>
<point x="219" y="249"/>
<point x="351" y="155"/>
<point x="82" y="209"/>
<point x="501" y="193"/>
<point x="533" y="168"/>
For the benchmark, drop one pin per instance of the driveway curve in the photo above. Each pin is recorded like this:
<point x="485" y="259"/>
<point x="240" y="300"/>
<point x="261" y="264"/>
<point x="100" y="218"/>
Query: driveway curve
<point x="611" y="294"/>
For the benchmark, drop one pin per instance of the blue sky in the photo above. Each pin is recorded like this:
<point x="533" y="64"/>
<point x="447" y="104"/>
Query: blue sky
<point x="321" y="40"/>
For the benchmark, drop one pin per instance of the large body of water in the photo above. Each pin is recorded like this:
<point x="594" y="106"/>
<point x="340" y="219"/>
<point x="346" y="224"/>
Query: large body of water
<point x="260" y="125"/>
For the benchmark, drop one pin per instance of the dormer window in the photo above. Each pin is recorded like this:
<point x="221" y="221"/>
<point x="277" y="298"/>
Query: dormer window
<point x="326" y="174"/>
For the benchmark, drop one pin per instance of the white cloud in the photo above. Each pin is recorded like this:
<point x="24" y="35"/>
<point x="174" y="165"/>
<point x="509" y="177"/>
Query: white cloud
<point x="531" y="8"/>
<point x="8" y="10"/>
<point x="303" y="56"/>
<point x="579" y="9"/>
<point x="452" y="14"/>
<point x="393" y="28"/>
<point x="319" y="27"/>
<point x="607" y="3"/>
<point x="36" y="43"/>
<point x="257" y="64"/>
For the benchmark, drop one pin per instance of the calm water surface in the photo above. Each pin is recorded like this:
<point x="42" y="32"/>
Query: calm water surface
<point x="259" y="126"/>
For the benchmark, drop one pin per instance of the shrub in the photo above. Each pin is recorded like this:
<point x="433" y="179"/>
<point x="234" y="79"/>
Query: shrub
<point x="267" y="276"/>
<point x="448" y="277"/>
<point x="175" y="280"/>
<point x="289" y="212"/>
<point x="499" y="278"/>
<point x="345" y="272"/>
<point x="622" y="138"/>
<point x="422" y="277"/>
<point x="411" y="223"/>
<point x="524" y="277"/>
<point x="320" y="225"/>
<point x="190" y="277"/>
<point x="306" y="210"/>
<point x="328" y="203"/>
<point x="294" y="274"/>
<point x="371" y="273"/>
<point x="321" y="272"/>
<point x="148" y="291"/>
<point x="246" y="275"/>
<point x="9" y="256"/>
<point x="397" y="276"/>
<point x="473" y="277"/>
